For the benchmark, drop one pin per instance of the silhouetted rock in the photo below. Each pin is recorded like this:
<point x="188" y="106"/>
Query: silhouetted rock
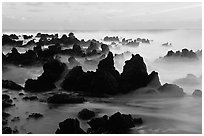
<point x="15" y="119"/>
<point x="197" y="93"/>
<point x="6" y="40"/>
<point x="52" y="72"/>
<point x="13" y="36"/>
<point x="98" y="125"/>
<point x="185" y="53"/>
<point x="116" y="124"/>
<point x="171" y="90"/>
<point x="35" y="116"/>
<point x="134" y="74"/>
<point x="154" y="80"/>
<point x="31" y="98"/>
<point x="69" y="40"/>
<point x="5" y="115"/>
<point x="71" y="79"/>
<point x="27" y="36"/>
<point x="86" y="114"/>
<point x="6" y="101"/>
<point x="7" y="130"/>
<point x="30" y="43"/>
<point x="65" y="98"/>
<point x="11" y="85"/>
<point x="110" y="39"/>
<point x="70" y="126"/>
<point x="28" y="58"/>
<point x="107" y="65"/>
<point x="104" y="48"/>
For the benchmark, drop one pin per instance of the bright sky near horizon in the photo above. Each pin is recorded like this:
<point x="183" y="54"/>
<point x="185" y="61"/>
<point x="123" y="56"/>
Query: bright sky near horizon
<point x="101" y="16"/>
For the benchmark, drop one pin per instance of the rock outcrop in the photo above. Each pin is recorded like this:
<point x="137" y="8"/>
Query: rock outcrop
<point x="171" y="90"/>
<point x="52" y="72"/>
<point x="115" y="124"/>
<point x="134" y="74"/>
<point x="70" y="126"/>
<point x="11" y="85"/>
<point x="86" y="114"/>
<point x="197" y="93"/>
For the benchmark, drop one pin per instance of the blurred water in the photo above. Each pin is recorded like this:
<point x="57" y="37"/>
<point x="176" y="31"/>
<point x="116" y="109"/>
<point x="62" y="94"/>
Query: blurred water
<point x="160" y="115"/>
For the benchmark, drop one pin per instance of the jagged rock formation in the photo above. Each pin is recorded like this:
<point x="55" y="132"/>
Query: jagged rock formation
<point x="134" y="74"/>
<point x="70" y="126"/>
<point x="52" y="72"/>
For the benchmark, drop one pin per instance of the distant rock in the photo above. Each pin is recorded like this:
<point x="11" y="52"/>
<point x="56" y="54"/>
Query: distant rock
<point x="65" y="98"/>
<point x="7" y="40"/>
<point x="189" y="80"/>
<point x="13" y="36"/>
<point x="115" y="124"/>
<point x="27" y="36"/>
<point x="52" y="72"/>
<point x="171" y="90"/>
<point x="167" y="44"/>
<point x="111" y="39"/>
<point x="185" y="53"/>
<point x="86" y="114"/>
<point x="197" y="93"/>
<point x="70" y="126"/>
<point x="11" y="85"/>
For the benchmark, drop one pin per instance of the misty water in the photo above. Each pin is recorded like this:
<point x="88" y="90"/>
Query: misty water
<point x="160" y="115"/>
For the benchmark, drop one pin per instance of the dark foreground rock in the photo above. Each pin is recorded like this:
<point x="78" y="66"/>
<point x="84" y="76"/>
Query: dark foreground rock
<point x="70" y="126"/>
<point x="134" y="74"/>
<point x="7" y="130"/>
<point x="4" y="118"/>
<point x="86" y="114"/>
<point x="171" y="90"/>
<point x="116" y="124"/>
<point x="65" y="98"/>
<point x="35" y="116"/>
<point x="11" y="85"/>
<point x="197" y="93"/>
<point x="52" y="72"/>
<point x="6" y="101"/>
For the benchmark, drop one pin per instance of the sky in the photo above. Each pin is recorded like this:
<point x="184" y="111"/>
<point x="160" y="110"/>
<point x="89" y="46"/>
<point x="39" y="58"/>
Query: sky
<point x="101" y="16"/>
